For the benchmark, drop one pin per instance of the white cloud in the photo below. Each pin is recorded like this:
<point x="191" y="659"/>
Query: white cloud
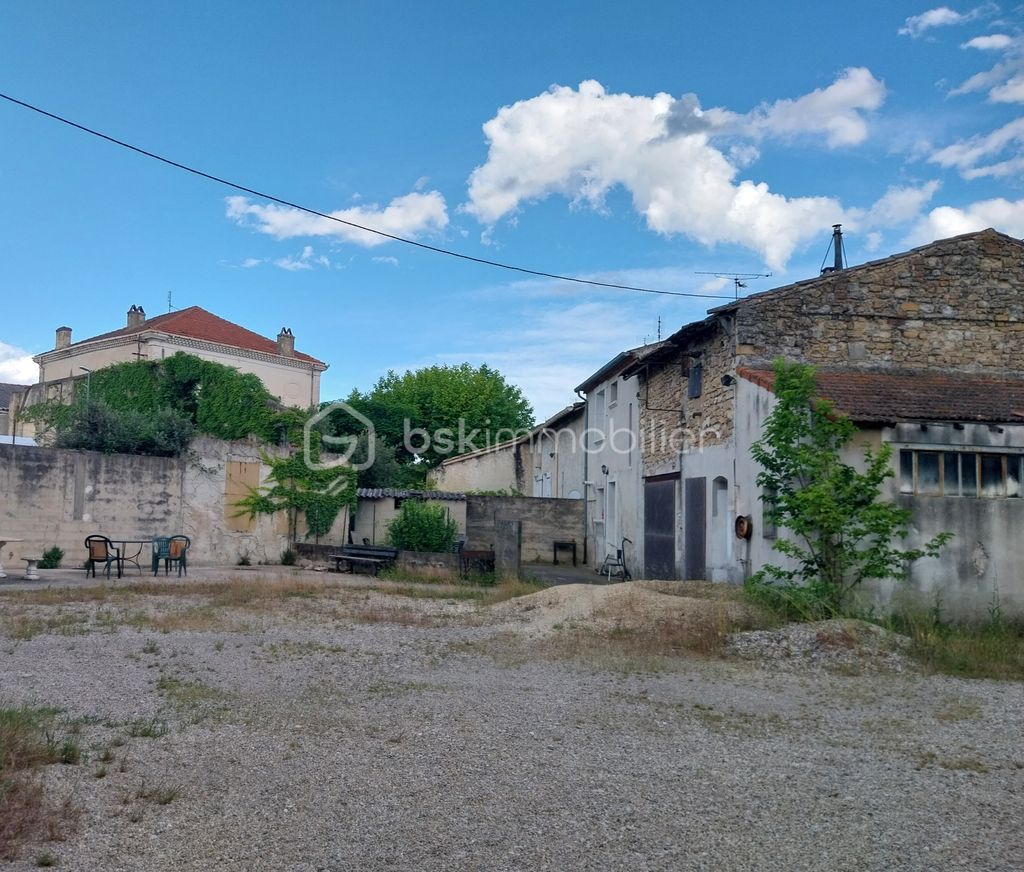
<point x="967" y="154"/>
<point x="991" y="42"/>
<point x="896" y="206"/>
<point x="391" y="261"/>
<point x="16" y="365"/>
<point x="580" y="143"/>
<point x="1011" y="91"/>
<point x="1004" y="215"/>
<point x="409" y="215"/>
<point x="941" y="16"/>
<point x="835" y="111"/>
<point x="251" y="262"/>
<point x="306" y="260"/>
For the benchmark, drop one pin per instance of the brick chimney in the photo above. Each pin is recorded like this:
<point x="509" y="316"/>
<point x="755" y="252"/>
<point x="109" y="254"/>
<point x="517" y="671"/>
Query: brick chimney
<point x="63" y="338"/>
<point x="136" y="316"/>
<point x="286" y="342"/>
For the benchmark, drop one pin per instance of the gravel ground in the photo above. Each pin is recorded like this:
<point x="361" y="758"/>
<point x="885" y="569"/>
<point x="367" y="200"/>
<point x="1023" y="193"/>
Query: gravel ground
<point x="350" y="730"/>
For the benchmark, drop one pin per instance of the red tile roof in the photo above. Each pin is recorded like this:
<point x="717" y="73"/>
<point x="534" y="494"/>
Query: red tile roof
<point x="886" y="397"/>
<point x="196" y="323"/>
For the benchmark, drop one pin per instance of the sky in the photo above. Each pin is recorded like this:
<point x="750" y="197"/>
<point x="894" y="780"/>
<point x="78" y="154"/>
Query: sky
<point x="635" y="143"/>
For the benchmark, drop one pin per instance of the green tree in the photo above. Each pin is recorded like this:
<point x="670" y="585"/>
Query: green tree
<point x="460" y="408"/>
<point x="843" y="531"/>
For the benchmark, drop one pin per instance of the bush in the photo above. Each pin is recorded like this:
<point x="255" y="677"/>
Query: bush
<point x="52" y="558"/>
<point x="421" y="526"/>
<point x="288" y="557"/>
<point x="97" y="426"/>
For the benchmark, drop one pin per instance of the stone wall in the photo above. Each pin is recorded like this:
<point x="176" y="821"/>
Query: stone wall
<point x="58" y="497"/>
<point x="954" y="303"/>
<point x="543" y="519"/>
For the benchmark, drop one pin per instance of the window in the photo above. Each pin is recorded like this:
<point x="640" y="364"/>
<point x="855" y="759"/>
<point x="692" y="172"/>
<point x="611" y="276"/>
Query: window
<point x="613" y="394"/>
<point x="695" y="382"/>
<point x="960" y="473"/>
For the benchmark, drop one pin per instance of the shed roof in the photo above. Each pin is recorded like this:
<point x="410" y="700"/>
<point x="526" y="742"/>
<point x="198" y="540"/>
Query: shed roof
<point x="7" y="390"/>
<point x="379" y="493"/>
<point x="871" y="396"/>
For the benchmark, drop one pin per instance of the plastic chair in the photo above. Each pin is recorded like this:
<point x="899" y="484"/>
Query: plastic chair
<point x="161" y="551"/>
<point x="102" y="550"/>
<point x="171" y="550"/>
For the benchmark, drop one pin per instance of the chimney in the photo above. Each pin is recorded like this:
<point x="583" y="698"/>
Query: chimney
<point x="837" y="245"/>
<point x="286" y="342"/>
<point x="136" y="316"/>
<point x="63" y="338"/>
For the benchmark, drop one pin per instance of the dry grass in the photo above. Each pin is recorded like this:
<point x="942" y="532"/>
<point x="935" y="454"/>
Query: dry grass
<point x="27" y="742"/>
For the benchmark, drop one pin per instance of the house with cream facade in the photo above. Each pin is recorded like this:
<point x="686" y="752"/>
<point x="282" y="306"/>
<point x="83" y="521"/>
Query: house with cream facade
<point x="288" y="374"/>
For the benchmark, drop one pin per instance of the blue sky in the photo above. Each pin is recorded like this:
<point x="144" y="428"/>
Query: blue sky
<point x="635" y="142"/>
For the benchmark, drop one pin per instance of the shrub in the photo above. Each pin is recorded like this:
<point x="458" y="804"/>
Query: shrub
<point x="52" y="558"/>
<point x="421" y="526"/>
<point x="288" y="557"/>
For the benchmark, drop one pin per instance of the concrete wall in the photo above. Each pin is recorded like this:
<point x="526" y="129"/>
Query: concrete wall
<point x="58" y="497"/>
<point x="499" y="469"/>
<point x="373" y="516"/>
<point x="543" y="521"/>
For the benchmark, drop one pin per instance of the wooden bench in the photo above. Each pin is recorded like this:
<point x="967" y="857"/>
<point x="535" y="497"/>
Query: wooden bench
<point x="371" y="557"/>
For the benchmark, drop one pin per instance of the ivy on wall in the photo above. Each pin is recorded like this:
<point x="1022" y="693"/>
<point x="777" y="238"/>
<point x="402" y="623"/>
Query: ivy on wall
<point x="295" y="486"/>
<point x="193" y="394"/>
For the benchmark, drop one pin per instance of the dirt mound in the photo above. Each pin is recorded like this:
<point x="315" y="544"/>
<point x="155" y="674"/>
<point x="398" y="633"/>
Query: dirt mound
<point x="627" y="606"/>
<point x="841" y="644"/>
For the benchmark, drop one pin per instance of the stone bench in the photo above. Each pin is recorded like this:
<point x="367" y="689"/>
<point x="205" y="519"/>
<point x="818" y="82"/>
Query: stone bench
<point x="32" y="568"/>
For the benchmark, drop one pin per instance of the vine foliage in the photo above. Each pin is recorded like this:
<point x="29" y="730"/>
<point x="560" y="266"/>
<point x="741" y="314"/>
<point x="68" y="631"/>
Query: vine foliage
<point x="299" y="489"/>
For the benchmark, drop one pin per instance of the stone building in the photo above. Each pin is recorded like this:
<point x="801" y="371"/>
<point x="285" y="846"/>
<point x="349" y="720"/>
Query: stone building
<point x="921" y="349"/>
<point x="290" y="375"/>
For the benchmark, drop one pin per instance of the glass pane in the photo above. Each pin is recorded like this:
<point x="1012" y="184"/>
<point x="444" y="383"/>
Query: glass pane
<point x="951" y="474"/>
<point x="992" y="484"/>
<point x="969" y="475"/>
<point x="906" y="471"/>
<point x="1013" y="476"/>
<point x="928" y="472"/>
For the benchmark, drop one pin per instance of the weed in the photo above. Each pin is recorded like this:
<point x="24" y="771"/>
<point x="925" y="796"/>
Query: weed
<point x="151" y="647"/>
<point x="26" y="742"/>
<point x="218" y="646"/>
<point x="100" y="772"/>
<point x="163" y="795"/>
<point x="46" y="859"/>
<point x="147" y="728"/>
<point x="106" y="756"/>
<point x="70" y="752"/>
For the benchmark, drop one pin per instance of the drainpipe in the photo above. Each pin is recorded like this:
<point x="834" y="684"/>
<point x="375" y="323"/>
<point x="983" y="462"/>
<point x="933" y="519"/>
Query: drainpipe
<point x="586" y="466"/>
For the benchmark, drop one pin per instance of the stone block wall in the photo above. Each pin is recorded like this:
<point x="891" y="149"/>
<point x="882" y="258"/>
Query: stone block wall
<point x="544" y="519"/>
<point x="954" y="303"/>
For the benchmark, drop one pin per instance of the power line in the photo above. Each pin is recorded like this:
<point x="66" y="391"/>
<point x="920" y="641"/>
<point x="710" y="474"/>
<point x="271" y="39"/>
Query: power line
<point x="324" y="215"/>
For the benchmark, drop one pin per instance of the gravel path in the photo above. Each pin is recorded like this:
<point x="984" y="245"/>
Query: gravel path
<point x="314" y="739"/>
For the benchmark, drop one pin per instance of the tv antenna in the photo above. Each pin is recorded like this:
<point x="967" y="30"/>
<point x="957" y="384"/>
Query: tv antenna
<point x="739" y="280"/>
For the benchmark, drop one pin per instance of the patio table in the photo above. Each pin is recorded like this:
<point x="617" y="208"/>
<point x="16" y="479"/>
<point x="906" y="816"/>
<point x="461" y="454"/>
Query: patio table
<point x="125" y="556"/>
<point x="3" y="544"/>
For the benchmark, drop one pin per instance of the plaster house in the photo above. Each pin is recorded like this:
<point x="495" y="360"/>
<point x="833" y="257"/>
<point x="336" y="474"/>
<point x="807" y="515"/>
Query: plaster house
<point x="612" y="467"/>
<point x="547" y="461"/>
<point x="288" y="374"/>
<point x="921" y="349"/>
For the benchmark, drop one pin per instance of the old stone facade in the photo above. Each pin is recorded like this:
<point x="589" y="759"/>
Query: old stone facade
<point x="953" y="305"/>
